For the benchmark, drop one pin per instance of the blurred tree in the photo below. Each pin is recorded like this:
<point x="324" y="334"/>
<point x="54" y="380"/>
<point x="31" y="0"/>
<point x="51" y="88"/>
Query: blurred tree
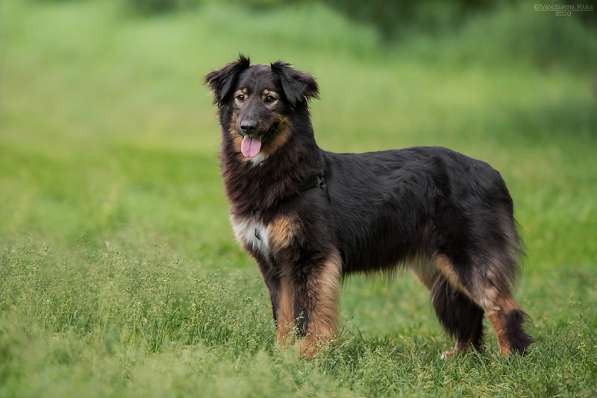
<point x="394" y="17"/>
<point x="436" y="16"/>
<point x="391" y="18"/>
<point x="589" y="16"/>
<point x="159" y="6"/>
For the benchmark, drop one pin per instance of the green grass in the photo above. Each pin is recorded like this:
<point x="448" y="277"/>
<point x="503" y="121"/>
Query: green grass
<point x="119" y="275"/>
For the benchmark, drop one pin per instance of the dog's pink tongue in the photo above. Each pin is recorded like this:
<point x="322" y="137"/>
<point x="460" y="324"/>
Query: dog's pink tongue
<point x="250" y="146"/>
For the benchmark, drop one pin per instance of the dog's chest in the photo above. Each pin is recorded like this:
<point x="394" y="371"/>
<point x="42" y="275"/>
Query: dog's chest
<point x="251" y="233"/>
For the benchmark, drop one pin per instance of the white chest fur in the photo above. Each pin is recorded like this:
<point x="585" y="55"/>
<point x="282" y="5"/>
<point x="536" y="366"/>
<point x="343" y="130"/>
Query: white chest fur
<point x="252" y="233"/>
<point x="257" y="160"/>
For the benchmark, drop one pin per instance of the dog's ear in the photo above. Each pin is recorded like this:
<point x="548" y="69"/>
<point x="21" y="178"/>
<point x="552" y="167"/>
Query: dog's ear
<point x="222" y="81"/>
<point x="298" y="86"/>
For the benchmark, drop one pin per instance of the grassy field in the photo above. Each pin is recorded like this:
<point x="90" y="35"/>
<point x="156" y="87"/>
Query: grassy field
<point x="119" y="275"/>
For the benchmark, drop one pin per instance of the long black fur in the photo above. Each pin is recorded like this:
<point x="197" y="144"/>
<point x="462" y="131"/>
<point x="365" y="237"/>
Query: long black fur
<point x="518" y="338"/>
<point x="461" y="318"/>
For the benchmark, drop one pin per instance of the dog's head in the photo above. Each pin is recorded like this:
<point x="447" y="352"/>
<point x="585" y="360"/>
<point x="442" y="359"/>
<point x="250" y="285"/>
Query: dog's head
<point x="255" y="102"/>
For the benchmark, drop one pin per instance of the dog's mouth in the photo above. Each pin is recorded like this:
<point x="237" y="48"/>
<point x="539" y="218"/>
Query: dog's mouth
<point x="250" y="146"/>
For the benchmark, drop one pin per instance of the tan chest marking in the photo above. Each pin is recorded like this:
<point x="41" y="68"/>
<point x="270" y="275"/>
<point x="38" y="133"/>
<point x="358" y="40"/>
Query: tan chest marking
<point x="276" y="235"/>
<point x="282" y="230"/>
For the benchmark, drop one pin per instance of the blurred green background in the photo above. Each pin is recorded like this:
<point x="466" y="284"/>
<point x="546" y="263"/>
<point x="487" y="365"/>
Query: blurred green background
<point x="119" y="274"/>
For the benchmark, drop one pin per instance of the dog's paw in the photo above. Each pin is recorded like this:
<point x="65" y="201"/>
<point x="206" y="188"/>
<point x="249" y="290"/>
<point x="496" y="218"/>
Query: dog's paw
<point x="457" y="349"/>
<point x="449" y="354"/>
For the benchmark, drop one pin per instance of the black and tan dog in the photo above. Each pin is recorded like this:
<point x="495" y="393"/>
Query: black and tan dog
<point x="310" y="216"/>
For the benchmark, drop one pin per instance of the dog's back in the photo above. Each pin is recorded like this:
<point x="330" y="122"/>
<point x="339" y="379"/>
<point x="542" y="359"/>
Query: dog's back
<point x="391" y="206"/>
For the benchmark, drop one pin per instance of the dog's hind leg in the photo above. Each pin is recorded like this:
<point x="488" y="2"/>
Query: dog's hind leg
<point x="460" y="316"/>
<point x="487" y="285"/>
<point x="507" y="319"/>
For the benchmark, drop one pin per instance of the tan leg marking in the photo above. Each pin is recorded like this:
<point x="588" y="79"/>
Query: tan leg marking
<point x="499" y="325"/>
<point x="497" y="318"/>
<point x="285" y="313"/>
<point x="323" y="321"/>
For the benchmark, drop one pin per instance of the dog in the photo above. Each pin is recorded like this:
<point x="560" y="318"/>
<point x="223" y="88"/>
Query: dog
<point x="309" y="217"/>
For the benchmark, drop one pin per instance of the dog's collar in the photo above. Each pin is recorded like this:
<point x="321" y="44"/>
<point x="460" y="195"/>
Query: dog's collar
<point x="316" y="181"/>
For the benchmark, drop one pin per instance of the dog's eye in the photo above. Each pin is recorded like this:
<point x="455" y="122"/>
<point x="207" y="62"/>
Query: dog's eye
<point x="240" y="97"/>
<point x="269" y="99"/>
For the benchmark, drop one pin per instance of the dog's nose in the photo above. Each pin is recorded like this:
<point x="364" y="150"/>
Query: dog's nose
<point x="248" y="126"/>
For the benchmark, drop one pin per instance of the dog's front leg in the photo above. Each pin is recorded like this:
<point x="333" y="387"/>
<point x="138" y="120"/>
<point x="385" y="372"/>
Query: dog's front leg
<point x="272" y="281"/>
<point x="307" y="295"/>
<point x="316" y="304"/>
<point x="282" y="298"/>
<point x="281" y="294"/>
